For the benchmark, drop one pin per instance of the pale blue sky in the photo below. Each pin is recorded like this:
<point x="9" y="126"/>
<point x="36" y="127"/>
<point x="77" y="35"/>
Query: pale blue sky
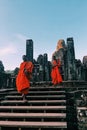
<point x="43" y="21"/>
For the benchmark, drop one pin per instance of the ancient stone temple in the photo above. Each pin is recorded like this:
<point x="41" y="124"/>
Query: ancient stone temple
<point x="71" y="68"/>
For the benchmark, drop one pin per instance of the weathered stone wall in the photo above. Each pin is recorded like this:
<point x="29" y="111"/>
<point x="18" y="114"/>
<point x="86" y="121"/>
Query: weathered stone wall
<point x="81" y="106"/>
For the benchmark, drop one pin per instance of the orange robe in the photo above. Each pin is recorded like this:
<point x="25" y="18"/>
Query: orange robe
<point x="22" y="81"/>
<point x="55" y="74"/>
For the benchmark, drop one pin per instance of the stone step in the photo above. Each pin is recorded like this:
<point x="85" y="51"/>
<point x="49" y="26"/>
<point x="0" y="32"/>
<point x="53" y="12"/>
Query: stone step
<point x="3" y="94"/>
<point x="58" y="88"/>
<point x="38" y="92"/>
<point x="33" y="102"/>
<point x="45" y="109"/>
<point x="21" y="124"/>
<point x="35" y="97"/>
<point x="35" y="88"/>
<point x="81" y="108"/>
<point x="5" y="90"/>
<point x="34" y="109"/>
<point x="32" y="115"/>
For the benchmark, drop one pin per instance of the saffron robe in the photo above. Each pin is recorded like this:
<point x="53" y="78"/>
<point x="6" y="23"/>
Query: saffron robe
<point x="55" y="74"/>
<point x="22" y="81"/>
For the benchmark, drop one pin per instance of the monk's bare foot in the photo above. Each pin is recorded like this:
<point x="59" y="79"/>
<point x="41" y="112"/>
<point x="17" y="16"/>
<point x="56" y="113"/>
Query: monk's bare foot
<point x="24" y="98"/>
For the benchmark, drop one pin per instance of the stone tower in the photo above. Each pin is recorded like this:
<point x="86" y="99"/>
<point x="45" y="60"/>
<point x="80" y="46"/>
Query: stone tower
<point x="71" y="59"/>
<point x="29" y="49"/>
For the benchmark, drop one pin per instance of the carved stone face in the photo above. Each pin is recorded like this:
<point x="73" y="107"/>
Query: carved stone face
<point x="60" y="44"/>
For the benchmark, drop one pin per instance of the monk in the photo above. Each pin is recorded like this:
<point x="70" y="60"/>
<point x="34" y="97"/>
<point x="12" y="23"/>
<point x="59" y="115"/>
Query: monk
<point x="55" y="74"/>
<point x="24" y="76"/>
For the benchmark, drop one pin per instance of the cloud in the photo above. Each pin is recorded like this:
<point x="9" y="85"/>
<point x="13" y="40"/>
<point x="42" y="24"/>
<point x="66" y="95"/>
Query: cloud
<point x="11" y="45"/>
<point x="21" y="37"/>
<point x="6" y="50"/>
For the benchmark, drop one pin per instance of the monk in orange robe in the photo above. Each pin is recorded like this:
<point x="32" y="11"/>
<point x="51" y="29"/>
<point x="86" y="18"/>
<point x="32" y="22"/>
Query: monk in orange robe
<point x="55" y="74"/>
<point x="24" y="76"/>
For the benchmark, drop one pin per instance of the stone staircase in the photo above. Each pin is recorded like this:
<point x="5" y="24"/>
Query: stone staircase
<point x="45" y="109"/>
